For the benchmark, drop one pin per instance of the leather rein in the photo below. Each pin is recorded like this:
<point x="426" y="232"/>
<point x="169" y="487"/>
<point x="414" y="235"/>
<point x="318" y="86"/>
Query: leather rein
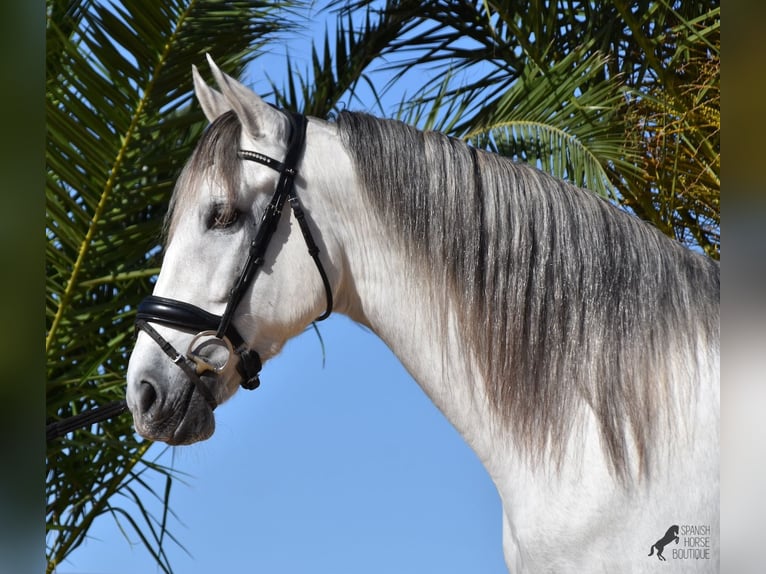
<point x="192" y="319"/>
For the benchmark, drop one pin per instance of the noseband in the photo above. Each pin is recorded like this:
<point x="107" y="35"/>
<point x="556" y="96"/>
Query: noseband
<point x="192" y="319"/>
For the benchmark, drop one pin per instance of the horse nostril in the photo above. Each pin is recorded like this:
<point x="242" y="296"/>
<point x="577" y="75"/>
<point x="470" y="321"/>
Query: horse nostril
<point x="146" y="396"/>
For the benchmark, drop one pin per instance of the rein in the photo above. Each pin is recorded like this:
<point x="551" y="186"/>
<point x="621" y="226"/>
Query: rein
<point x="190" y="318"/>
<point x="58" y="429"/>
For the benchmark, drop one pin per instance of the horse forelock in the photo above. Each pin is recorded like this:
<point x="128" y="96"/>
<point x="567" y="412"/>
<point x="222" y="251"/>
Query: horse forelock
<point x="214" y="159"/>
<point x="567" y="303"/>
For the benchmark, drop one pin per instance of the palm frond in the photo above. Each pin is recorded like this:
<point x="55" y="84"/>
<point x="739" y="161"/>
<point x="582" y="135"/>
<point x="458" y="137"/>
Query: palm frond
<point x="340" y="63"/>
<point x="119" y="128"/>
<point x="678" y="134"/>
<point x="559" y="120"/>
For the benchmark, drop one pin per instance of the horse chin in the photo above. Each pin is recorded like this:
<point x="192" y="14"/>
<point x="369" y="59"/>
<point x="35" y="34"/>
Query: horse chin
<point x="186" y="420"/>
<point x="183" y="436"/>
<point x="197" y="424"/>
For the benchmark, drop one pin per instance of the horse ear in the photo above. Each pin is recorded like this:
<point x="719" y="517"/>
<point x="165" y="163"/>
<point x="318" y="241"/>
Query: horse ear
<point x="211" y="101"/>
<point x="251" y="110"/>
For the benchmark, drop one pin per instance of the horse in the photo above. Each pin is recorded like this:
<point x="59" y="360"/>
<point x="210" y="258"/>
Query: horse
<point x="670" y="536"/>
<point x="574" y="347"/>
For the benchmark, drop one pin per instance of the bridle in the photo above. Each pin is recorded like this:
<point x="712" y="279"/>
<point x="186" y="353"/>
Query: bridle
<point x="190" y="318"/>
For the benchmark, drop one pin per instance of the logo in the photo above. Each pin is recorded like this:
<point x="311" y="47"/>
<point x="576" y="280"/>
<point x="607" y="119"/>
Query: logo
<point x="670" y="536"/>
<point x="689" y="542"/>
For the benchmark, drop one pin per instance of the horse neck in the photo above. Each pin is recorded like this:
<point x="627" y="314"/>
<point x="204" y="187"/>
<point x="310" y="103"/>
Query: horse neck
<point x="421" y="329"/>
<point x="378" y="286"/>
<point x="378" y="283"/>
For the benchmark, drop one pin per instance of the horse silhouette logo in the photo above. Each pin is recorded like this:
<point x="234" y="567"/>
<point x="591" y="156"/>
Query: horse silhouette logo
<point x="670" y="536"/>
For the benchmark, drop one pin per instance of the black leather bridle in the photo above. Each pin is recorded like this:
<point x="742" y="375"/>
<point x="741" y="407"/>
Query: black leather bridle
<point x="192" y="319"/>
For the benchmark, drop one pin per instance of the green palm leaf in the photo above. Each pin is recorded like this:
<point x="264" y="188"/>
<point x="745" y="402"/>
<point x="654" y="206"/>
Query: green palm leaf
<point x="560" y="120"/>
<point x="339" y="64"/>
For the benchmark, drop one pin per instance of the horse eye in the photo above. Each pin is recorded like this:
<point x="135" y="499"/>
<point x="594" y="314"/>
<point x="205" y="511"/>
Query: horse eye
<point x="222" y="217"/>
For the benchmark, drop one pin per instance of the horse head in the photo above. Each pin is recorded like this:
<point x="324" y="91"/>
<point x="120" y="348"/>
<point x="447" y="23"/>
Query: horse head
<point x="235" y="282"/>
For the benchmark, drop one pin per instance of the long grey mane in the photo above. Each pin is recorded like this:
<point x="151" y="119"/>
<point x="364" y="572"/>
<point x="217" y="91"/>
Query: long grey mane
<point x="566" y="301"/>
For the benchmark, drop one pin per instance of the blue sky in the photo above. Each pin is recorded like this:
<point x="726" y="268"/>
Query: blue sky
<point x="346" y="467"/>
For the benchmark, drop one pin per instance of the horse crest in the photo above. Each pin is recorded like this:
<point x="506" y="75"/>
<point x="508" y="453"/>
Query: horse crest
<point x="670" y="536"/>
